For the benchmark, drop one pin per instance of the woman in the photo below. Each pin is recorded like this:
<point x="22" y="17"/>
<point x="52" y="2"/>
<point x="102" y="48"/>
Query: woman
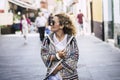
<point x="59" y="50"/>
<point x="24" y="27"/>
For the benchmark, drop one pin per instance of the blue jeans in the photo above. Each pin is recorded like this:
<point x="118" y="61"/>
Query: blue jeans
<point x="55" y="77"/>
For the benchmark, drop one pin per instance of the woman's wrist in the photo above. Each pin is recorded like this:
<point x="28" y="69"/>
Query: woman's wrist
<point x="57" y="56"/>
<point x="54" y="57"/>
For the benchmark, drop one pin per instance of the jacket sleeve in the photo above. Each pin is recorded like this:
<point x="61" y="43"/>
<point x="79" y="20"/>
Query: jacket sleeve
<point x="71" y="62"/>
<point x="45" y="52"/>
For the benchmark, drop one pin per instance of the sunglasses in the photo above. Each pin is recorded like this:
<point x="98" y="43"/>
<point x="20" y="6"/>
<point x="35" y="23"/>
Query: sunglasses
<point x="52" y="22"/>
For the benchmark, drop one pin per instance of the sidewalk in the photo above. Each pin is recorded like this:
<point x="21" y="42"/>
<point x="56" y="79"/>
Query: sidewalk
<point x="98" y="60"/>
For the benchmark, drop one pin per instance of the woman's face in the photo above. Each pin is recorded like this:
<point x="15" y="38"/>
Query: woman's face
<point x="56" y="26"/>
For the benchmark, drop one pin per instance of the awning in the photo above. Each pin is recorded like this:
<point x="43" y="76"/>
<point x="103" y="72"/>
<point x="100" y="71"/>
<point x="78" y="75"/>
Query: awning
<point x="23" y="4"/>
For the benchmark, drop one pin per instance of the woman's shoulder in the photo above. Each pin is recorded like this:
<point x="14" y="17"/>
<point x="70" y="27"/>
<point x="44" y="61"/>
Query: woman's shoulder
<point x="70" y="36"/>
<point x="48" y="38"/>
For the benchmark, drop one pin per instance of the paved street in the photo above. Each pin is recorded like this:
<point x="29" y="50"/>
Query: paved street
<point x="98" y="60"/>
<point x="19" y="61"/>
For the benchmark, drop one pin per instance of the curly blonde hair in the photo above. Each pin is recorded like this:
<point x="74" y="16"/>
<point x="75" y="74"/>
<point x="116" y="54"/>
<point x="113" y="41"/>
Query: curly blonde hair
<point x="65" y="21"/>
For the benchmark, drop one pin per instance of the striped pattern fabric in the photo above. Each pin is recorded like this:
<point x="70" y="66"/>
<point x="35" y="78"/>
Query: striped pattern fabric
<point x="69" y="71"/>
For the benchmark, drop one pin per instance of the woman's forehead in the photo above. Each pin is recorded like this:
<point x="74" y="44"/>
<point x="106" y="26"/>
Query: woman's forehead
<point x="55" y="18"/>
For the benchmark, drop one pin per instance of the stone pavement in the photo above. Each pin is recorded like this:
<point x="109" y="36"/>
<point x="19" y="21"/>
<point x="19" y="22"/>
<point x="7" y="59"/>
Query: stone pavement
<point x="98" y="60"/>
<point x="19" y="61"/>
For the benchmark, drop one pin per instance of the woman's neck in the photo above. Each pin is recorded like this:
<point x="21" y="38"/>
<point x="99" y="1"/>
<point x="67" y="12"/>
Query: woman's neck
<point x="60" y="35"/>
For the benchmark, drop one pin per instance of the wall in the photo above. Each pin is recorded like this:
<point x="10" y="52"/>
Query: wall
<point x="97" y="10"/>
<point x="6" y="18"/>
<point x="116" y="21"/>
<point x="108" y="21"/>
<point x="98" y="27"/>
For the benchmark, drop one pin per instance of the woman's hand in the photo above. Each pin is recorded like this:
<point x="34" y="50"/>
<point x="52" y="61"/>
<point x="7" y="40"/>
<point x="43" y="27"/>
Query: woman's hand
<point x="57" y="69"/>
<point x="62" y="54"/>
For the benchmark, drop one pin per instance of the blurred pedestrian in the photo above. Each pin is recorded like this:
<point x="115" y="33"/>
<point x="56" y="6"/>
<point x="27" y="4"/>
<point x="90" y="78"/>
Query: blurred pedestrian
<point x="49" y="24"/>
<point x="50" y="18"/>
<point x="80" y="22"/>
<point x="40" y="22"/>
<point x="25" y="25"/>
<point x="59" y="50"/>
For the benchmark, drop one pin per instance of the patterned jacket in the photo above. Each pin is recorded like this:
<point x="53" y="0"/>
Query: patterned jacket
<point x="69" y="71"/>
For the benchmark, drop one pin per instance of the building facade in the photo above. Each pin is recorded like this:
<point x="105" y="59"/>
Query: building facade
<point x="105" y="20"/>
<point x="108" y="19"/>
<point x="116" y="11"/>
<point x="5" y="17"/>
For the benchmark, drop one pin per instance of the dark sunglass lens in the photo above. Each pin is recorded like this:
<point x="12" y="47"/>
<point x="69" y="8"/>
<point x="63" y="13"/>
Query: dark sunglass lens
<point x="52" y="22"/>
